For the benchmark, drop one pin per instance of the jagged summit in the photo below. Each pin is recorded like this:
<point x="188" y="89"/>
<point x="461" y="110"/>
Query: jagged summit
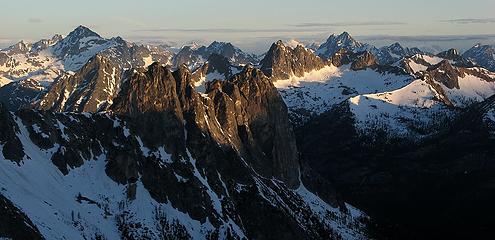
<point x="216" y="45"/>
<point x="83" y="31"/>
<point x="337" y="42"/>
<point x="194" y="56"/>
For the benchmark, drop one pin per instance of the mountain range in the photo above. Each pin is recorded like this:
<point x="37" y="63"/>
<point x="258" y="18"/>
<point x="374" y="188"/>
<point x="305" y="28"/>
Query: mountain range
<point x="107" y="139"/>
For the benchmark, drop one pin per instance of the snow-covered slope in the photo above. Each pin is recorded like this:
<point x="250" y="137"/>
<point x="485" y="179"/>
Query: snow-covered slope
<point x="407" y="112"/>
<point x="420" y="108"/>
<point x="411" y="102"/>
<point x="30" y="61"/>
<point x="320" y="90"/>
<point x="419" y="62"/>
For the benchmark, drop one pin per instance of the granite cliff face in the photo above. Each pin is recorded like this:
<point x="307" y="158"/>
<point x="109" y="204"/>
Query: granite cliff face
<point x="247" y="106"/>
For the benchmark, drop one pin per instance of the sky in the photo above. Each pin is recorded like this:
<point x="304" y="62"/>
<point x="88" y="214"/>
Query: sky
<point x="254" y="24"/>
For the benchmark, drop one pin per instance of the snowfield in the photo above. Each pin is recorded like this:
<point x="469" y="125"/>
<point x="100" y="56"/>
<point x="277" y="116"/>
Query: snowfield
<point x="319" y="90"/>
<point x="402" y="113"/>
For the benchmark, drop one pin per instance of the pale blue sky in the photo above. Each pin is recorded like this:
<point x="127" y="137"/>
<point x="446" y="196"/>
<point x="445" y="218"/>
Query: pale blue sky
<point x="251" y="24"/>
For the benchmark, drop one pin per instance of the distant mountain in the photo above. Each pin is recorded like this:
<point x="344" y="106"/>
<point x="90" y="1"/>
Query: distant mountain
<point x="343" y="41"/>
<point x="235" y="55"/>
<point x="455" y="58"/>
<point x="82" y="44"/>
<point x="313" y="46"/>
<point x="189" y="56"/>
<point x="194" y="55"/>
<point x="483" y="55"/>
<point x="385" y="55"/>
<point x="395" y="52"/>
<point x="27" y="65"/>
<point x="284" y="62"/>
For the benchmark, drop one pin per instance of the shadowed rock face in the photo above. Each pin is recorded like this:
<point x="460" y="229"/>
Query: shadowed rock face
<point x="219" y="64"/>
<point x="15" y="224"/>
<point x="12" y="147"/>
<point x="458" y="60"/>
<point x="364" y="60"/>
<point x="358" y="61"/>
<point x="283" y="62"/>
<point x="451" y="54"/>
<point x="20" y="94"/>
<point x="262" y="122"/>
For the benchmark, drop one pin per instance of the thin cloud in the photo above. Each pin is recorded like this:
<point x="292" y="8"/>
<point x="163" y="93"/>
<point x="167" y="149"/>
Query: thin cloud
<point x="35" y="20"/>
<point x="230" y="30"/>
<point x="346" y="24"/>
<point x="471" y="21"/>
<point x="439" y="38"/>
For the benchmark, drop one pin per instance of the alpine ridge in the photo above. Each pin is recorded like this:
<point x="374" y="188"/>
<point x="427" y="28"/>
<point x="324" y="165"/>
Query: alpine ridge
<point x="102" y="138"/>
<point x="170" y="161"/>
